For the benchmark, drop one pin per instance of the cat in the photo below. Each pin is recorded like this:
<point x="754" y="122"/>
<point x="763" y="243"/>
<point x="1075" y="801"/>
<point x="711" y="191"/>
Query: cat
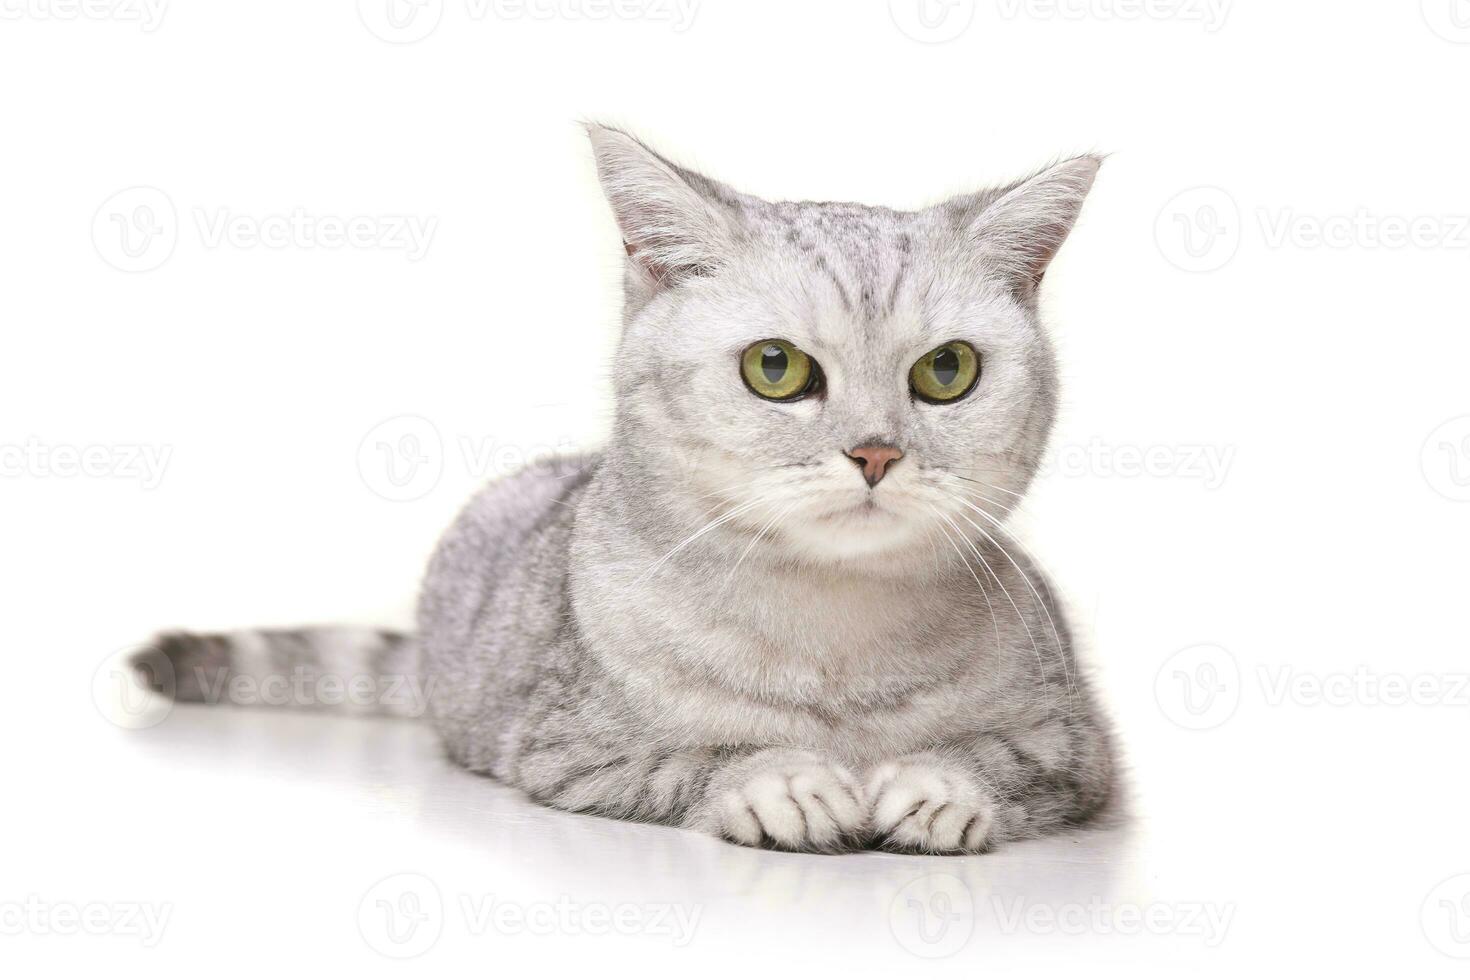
<point x="780" y="606"/>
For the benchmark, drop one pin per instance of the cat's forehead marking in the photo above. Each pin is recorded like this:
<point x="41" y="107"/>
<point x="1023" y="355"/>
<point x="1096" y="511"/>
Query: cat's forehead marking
<point x="863" y="252"/>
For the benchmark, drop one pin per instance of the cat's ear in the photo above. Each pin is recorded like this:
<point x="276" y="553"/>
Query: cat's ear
<point x="676" y="224"/>
<point x="1020" y="228"/>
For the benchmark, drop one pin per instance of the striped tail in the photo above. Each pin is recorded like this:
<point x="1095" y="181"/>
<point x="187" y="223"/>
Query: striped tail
<point x="332" y="668"/>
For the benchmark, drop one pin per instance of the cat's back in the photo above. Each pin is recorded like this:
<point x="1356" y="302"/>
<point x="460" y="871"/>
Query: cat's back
<point x="486" y="549"/>
<point x="491" y="602"/>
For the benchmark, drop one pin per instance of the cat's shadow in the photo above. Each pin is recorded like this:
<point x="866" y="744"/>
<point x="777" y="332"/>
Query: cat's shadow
<point x="592" y="856"/>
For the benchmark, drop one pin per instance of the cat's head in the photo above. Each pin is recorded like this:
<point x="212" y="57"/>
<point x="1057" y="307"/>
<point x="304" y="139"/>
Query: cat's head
<point x="854" y="381"/>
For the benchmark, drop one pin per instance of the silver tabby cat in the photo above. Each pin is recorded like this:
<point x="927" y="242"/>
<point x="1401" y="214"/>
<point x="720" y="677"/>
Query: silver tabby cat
<point x="780" y="606"/>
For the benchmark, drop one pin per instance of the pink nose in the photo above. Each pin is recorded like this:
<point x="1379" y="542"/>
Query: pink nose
<point x="874" y="460"/>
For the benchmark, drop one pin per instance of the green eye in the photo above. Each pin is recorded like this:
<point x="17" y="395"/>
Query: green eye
<point x="946" y="373"/>
<point x="776" y="370"/>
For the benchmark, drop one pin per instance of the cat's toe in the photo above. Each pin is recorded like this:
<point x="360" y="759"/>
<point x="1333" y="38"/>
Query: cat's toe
<point x="931" y="808"/>
<point x="804" y="806"/>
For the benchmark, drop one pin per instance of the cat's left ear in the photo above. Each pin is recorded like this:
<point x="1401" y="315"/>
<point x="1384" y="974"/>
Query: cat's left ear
<point x="1020" y="228"/>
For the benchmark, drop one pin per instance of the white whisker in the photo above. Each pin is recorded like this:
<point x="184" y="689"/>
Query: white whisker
<point x="1042" y="603"/>
<point x="1035" y="647"/>
<point x="983" y="483"/>
<point x="780" y="515"/>
<point x="994" y="622"/>
<point x="727" y="516"/>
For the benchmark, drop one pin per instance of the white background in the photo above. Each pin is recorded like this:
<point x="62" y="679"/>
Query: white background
<point x="1274" y="322"/>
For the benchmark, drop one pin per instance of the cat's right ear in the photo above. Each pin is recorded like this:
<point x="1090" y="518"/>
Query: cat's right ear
<point x="676" y="224"/>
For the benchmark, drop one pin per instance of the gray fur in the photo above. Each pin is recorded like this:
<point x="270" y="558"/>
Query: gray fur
<point x="714" y="622"/>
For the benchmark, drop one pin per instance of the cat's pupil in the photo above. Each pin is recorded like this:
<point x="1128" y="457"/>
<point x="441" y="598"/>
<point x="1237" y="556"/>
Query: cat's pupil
<point x="774" y="363"/>
<point x="946" y="366"/>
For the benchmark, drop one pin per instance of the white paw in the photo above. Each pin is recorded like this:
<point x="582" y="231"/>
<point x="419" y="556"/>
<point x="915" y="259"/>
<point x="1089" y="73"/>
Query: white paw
<point x="929" y="805"/>
<point x="796" y="801"/>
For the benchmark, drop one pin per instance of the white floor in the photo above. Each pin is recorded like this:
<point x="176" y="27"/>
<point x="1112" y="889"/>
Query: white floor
<point x="1255" y="503"/>
<point x="279" y="841"/>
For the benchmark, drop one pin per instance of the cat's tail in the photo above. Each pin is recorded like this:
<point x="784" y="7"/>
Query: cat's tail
<point x="334" y="668"/>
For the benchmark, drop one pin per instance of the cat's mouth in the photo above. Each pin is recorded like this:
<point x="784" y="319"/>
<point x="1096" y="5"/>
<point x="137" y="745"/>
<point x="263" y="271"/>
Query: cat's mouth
<point x="866" y="509"/>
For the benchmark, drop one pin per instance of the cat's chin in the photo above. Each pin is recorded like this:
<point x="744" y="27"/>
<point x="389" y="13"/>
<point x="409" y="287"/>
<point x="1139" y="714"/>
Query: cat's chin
<point x="864" y="533"/>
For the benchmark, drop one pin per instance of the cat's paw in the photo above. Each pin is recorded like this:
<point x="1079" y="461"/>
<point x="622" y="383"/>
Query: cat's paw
<point x="927" y="804"/>
<point x="790" y="800"/>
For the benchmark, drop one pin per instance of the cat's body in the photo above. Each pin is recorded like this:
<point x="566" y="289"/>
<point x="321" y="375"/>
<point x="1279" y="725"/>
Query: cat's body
<point x="556" y="683"/>
<point x="717" y="622"/>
